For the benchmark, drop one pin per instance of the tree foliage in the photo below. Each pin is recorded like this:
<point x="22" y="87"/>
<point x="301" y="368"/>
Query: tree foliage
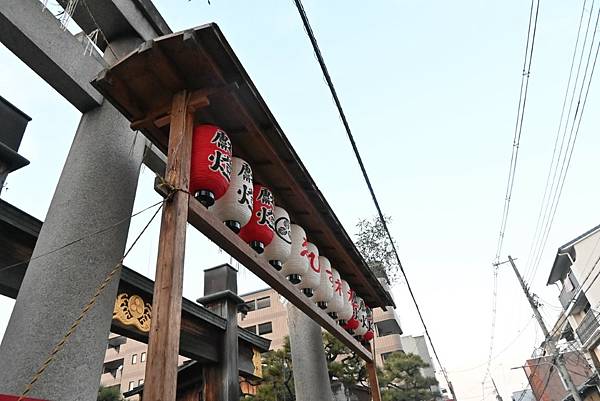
<point x="374" y="245"/>
<point x="342" y="363"/>
<point x="401" y="379"/>
<point x="109" y="394"/>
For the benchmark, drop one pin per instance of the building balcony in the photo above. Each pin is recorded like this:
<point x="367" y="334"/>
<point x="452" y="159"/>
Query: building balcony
<point x="588" y="329"/>
<point x="571" y="294"/>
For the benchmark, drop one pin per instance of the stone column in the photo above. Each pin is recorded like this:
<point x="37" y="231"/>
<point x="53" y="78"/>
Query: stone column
<point x="311" y="378"/>
<point x="96" y="190"/>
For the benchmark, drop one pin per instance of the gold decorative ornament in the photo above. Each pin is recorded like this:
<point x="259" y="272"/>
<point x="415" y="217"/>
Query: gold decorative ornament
<point x="131" y="310"/>
<point x="257" y="362"/>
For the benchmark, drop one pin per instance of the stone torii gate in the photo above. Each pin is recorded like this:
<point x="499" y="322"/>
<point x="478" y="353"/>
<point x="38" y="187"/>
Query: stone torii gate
<point x="96" y="189"/>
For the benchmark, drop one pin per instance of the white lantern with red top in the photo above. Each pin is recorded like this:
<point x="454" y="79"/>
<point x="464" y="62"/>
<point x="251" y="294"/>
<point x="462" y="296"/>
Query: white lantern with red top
<point x="346" y="312"/>
<point x="352" y="323"/>
<point x="296" y="264"/>
<point x="324" y="292"/>
<point x="312" y="278"/>
<point x="335" y="305"/>
<point x="280" y="248"/>
<point x="210" y="169"/>
<point x="234" y="208"/>
<point x="259" y="230"/>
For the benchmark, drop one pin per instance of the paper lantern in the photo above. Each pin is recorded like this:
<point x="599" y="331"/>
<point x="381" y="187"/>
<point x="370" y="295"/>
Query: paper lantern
<point x="370" y="334"/>
<point x="280" y="248"/>
<point x="325" y="290"/>
<point x="353" y="323"/>
<point x="361" y="330"/>
<point x="297" y="263"/>
<point x="210" y="170"/>
<point x="312" y="278"/>
<point x="259" y="230"/>
<point x="346" y="312"/>
<point x="234" y="208"/>
<point x="335" y="305"/>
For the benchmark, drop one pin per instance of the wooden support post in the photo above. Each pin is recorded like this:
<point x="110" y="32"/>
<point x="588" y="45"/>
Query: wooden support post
<point x="372" y="374"/>
<point x="221" y="381"/>
<point x="163" y="344"/>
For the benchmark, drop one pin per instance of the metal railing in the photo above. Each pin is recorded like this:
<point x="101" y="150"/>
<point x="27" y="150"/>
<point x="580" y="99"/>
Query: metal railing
<point x="588" y="326"/>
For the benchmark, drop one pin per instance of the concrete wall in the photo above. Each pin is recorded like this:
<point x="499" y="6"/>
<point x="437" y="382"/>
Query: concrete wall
<point x="587" y="252"/>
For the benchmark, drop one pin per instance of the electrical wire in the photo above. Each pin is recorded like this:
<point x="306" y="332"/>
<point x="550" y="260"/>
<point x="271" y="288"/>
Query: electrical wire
<point x="572" y="138"/>
<point x="338" y="104"/>
<point x="526" y="72"/>
<point x="537" y="226"/>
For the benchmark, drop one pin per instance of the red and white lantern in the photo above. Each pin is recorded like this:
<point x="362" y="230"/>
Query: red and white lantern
<point x="346" y="312"/>
<point x="361" y="330"/>
<point x="324" y="292"/>
<point x="210" y="170"/>
<point x="352" y="323"/>
<point x="312" y="278"/>
<point x="335" y="305"/>
<point x="280" y="248"/>
<point x="296" y="265"/>
<point x="259" y="230"/>
<point x="234" y="208"/>
<point x="370" y="334"/>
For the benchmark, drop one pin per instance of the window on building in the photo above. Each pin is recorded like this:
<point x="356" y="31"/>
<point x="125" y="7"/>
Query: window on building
<point x="265" y="328"/>
<point x="131" y="385"/>
<point x="388" y="327"/>
<point x="133" y="359"/>
<point x="116" y="342"/>
<point x="113" y="367"/>
<point x="262" y="303"/>
<point x="140" y="382"/>
<point x="251" y="305"/>
<point x="251" y="329"/>
<point x="143" y="357"/>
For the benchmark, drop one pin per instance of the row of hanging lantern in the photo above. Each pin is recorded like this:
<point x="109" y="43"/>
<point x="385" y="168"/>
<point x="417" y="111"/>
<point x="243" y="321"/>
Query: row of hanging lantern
<point x="223" y="183"/>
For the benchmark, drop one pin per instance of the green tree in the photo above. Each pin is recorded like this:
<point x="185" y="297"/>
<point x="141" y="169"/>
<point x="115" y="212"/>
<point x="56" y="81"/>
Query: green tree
<point x="109" y="394"/>
<point x="342" y="363"/>
<point x="401" y="379"/>
<point x="376" y="249"/>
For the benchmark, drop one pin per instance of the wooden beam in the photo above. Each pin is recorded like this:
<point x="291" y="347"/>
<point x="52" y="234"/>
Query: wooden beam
<point x="215" y="230"/>
<point x="163" y="347"/>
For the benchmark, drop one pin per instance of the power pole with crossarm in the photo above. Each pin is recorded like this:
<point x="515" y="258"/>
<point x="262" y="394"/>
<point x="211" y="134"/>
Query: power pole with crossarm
<point x="549" y="340"/>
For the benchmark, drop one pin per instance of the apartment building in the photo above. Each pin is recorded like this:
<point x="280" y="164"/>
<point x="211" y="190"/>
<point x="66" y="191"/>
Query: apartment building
<point x="125" y="364"/>
<point x="418" y="345"/>
<point x="267" y="317"/>
<point x="576" y="268"/>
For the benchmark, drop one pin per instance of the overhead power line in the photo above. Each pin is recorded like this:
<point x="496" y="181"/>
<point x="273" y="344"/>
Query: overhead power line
<point x="338" y="104"/>
<point x="512" y="169"/>
<point x="564" y="158"/>
<point x="562" y="113"/>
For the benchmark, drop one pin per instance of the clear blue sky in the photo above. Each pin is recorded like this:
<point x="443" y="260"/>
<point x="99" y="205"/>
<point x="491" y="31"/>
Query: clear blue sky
<point x="430" y="89"/>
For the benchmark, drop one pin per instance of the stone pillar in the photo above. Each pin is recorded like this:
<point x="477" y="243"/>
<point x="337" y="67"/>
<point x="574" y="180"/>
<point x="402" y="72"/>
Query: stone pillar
<point x="96" y="190"/>
<point x="311" y="378"/>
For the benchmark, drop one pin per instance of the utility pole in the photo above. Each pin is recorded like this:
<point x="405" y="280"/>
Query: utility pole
<point x="551" y="345"/>
<point x="498" y="397"/>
